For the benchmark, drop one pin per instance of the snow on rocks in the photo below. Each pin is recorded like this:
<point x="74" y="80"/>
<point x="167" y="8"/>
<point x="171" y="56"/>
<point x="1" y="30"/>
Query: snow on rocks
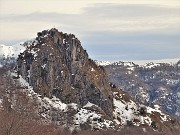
<point x="156" y="109"/>
<point x="45" y="102"/>
<point x="151" y="65"/>
<point x="124" y="111"/>
<point x="83" y="115"/>
<point x="43" y="66"/>
<point x="92" y="69"/>
<point x="145" y="120"/>
<point x="94" y="119"/>
<point x="129" y="111"/>
<point x="103" y="63"/>
<point x="1" y="101"/>
<point x="89" y="104"/>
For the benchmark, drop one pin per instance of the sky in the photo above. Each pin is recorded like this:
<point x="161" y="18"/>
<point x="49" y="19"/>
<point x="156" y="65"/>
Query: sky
<point x="108" y="29"/>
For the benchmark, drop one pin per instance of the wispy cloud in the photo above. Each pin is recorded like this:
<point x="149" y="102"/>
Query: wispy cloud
<point x="107" y="17"/>
<point x="125" y="30"/>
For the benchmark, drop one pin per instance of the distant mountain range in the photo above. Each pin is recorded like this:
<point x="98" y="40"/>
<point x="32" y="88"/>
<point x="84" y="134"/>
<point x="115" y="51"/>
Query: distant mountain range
<point x="138" y="62"/>
<point x="151" y="83"/>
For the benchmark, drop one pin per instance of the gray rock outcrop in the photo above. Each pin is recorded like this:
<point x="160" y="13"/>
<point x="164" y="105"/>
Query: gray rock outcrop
<point x="55" y="64"/>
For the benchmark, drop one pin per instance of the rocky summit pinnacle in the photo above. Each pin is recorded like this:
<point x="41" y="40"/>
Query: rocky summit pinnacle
<point x="55" y="64"/>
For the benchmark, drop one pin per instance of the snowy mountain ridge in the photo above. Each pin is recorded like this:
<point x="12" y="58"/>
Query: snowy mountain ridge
<point x="140" y="63"/>
<point x="153" y="83"/>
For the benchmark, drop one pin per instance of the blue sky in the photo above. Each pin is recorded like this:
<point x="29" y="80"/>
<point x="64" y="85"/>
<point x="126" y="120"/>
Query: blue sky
<point x="108" y="29"/>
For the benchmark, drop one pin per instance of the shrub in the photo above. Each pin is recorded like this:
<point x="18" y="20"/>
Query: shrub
<point x="153" y="124"/>
<point x="92" y="86"/>
<point x="130" y="123"/>
<point x="142" y="110"/>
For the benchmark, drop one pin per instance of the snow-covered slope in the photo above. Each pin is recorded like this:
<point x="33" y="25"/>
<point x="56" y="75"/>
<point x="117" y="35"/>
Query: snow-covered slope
<point x="125" y="112"/>
<point x="11" y="51"/>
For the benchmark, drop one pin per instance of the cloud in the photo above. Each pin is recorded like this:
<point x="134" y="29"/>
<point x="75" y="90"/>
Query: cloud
<point x="69" y="6"/>
<point x="110" y="17"/>
<point x="107" y="31"/>
<point x="130" y="10"/>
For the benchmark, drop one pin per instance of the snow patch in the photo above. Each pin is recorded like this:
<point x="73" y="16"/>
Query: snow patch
<point x="92" y="69"/>
<point x="43" y="66"/>
<point x="103" y="63"/>
<point x="94" y="119"/>
<point x="124" y="111"/>
<point x="1" y="101"/>
<point x="151" y="65"/>
<point x="11" y="51"/>
<point x="89" y="104"/>
<point x="146" y="120"/>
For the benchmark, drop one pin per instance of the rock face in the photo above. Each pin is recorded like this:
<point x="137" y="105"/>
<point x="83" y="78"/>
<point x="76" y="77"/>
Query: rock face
<point x="55" y="64"/>
<point x="72" y="91"/>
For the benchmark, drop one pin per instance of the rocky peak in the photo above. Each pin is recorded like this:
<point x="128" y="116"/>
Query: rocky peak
<point x="55" y="64"/>
<point x="74" y="92"/>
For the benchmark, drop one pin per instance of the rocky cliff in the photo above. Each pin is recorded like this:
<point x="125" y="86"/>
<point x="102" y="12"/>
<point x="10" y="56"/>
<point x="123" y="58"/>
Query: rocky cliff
<point x="72" y="91"/>
<point x="55" y="64"/>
